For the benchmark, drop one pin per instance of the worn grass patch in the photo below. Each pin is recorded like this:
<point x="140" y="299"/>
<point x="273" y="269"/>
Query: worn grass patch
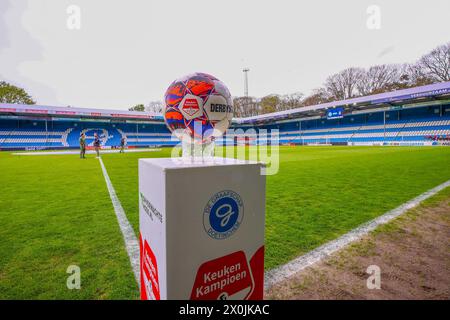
<point x="410" y="251"/>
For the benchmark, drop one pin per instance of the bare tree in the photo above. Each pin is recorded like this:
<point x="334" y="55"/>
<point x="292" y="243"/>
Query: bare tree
<point x="377" y="79"/>
<point x="240" y="107"/>
<point x="343" y="85"/>
<point x="414" y="75"/>
<point x="290" y="101"/>
<point x="154" y="106"/>
<point x="436" y="64"/>
<point x="246" y="106"/>
<point x="318" y="96"/>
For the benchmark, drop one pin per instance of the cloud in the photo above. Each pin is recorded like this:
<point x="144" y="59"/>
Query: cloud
<point x="17" y="48"/>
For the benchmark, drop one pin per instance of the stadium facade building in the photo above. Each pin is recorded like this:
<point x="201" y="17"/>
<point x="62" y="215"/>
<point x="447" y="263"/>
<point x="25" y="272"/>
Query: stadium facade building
<point x="415" y="116"/>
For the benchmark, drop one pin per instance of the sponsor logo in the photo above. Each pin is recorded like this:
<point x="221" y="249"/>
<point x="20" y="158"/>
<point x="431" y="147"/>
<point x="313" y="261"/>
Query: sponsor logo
<point x="149" y="274"/>
<point x="223" y="214"/>
<point x="227" y="277"/>
<point x="190" y="106"/>
<point x="216" y="107"/>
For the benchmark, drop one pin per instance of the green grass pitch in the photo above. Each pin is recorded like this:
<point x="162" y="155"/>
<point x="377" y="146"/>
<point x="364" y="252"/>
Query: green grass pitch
<point x="55" y="211"/>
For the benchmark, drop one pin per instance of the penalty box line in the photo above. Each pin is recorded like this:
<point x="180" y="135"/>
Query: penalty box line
<point x="131" y="242"/>
<point x="287" y="270"/>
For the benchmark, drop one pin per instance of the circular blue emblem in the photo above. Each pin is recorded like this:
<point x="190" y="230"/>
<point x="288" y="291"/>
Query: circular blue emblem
<point x="223" y="214"/>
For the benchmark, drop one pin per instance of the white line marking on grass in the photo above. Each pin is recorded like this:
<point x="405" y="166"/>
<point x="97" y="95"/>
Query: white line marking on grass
<point x="283" y="272"/>
<point x="131" y="242"/>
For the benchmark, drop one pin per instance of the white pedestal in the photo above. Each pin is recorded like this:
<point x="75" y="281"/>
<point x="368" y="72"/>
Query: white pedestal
<point x="201" y="229"/>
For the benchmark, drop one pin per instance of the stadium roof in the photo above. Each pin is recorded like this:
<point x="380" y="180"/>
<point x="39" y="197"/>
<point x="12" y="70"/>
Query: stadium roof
<point x="394" y="98"/>
<point x="40" y="110"/>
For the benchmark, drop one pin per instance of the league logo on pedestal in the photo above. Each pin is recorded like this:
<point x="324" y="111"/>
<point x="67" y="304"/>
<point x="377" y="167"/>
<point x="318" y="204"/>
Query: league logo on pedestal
<point x="223" y="214"/>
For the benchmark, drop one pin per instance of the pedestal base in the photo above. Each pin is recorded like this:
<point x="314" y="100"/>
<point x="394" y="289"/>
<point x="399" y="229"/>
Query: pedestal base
<point x="201" y="229"/>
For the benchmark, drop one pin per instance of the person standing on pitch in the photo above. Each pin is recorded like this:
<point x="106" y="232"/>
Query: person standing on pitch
<point x="122" y="145"/>
<point x="97" y="144"/>
<point x="82" y="146"/>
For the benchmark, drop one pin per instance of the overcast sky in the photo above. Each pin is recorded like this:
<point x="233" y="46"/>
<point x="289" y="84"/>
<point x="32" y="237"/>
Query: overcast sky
<point x="128" y="51"/>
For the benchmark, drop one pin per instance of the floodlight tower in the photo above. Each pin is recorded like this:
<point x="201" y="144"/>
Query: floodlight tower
<point x="246" y="70"/>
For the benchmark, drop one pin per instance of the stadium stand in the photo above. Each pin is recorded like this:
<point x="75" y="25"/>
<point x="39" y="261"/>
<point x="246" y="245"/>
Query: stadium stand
<point x="28" y="134"/>
<point x="411" y="132"/>
<point x="416" y="116"/>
